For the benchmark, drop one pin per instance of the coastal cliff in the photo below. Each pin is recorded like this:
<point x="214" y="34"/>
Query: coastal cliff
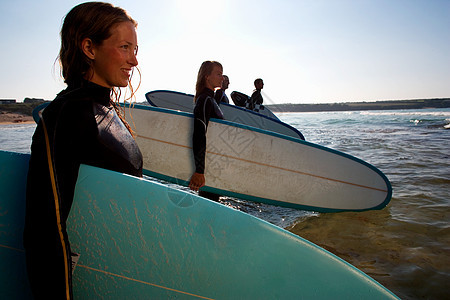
<point x="354" y="106"/>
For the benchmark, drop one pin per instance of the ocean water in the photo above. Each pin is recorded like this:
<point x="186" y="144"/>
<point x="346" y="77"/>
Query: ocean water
<point x="405" y="246"/>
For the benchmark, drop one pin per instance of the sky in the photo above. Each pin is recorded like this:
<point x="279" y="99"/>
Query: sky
<point x="306" y="51"/>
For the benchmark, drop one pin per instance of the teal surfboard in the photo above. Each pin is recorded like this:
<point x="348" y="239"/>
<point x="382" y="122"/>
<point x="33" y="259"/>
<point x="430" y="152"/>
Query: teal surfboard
<point x="142" y="240"/>
<point x="13" y="178"/>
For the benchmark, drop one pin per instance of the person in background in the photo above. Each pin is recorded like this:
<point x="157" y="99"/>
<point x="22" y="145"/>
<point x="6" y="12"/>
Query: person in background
<point x="83" y="125"/>
<point x="220" y="95"/>
<point x="209" y="78"/>
<point x="256" y="99"/>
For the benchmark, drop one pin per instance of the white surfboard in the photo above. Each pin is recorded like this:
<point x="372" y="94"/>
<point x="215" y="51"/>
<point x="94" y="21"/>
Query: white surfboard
<point x="265" y="119"/>
<point x="258" y="165"/>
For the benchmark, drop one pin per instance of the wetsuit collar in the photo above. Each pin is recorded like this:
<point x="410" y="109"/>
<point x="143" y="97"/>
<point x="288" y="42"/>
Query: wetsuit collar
<point x="208" y="92"/>
<point x="100" y="93"/>
<point x="103" y="94"/>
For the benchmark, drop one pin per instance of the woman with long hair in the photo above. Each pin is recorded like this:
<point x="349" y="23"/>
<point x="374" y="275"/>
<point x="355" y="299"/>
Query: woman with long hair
<point x="210" y="77"/>
<point x="82" y="125"/>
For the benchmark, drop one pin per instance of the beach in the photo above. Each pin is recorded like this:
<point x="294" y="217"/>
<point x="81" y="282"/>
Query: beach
<point x="13" y="118"/>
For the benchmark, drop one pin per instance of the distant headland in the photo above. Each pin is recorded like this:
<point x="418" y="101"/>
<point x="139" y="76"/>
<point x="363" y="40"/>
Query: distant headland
<point x="21" y="112"/>
<point x="354" y="106"/>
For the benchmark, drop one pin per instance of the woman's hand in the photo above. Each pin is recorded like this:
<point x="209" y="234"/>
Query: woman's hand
<point x="197" y="181"/>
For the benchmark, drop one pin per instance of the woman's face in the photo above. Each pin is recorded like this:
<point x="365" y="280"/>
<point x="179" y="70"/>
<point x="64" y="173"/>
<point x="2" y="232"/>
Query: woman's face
<point x="115" y="58"/>
<point x="214" y="80"/>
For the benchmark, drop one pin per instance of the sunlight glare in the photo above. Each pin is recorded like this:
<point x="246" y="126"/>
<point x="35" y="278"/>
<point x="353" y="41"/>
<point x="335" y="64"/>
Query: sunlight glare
<point x="198" y="14"/>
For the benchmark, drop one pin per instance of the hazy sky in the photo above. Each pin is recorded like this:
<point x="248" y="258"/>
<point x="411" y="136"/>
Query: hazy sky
<point x="307" y="51"/>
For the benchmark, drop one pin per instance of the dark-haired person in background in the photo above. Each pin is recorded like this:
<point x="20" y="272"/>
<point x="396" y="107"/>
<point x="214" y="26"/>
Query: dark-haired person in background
<point x="256" y="99"/>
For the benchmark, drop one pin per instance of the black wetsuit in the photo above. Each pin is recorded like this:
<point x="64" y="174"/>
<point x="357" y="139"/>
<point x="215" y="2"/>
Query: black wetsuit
<point x="255" y="99"/>
<point x="205" y="108"/>
<point x="221" y="97"/>
<point x="83" y="128"/>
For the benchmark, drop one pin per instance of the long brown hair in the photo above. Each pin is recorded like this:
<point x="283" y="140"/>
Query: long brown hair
<point x="205" y="70"/>
<point x="93" y="20"/>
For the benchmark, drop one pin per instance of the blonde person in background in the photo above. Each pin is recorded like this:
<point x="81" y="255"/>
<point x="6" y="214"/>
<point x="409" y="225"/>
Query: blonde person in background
<point x="209" y="78"/>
